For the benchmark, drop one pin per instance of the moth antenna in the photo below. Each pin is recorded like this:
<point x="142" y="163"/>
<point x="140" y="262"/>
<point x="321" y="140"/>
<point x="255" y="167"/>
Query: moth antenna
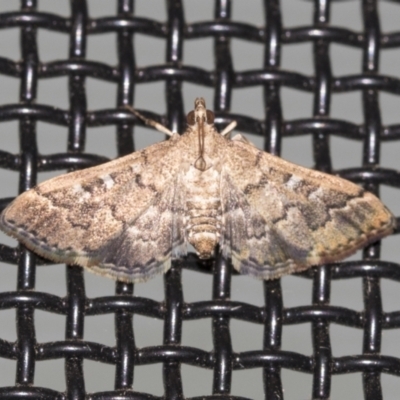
<point x="228" y="129"/>
<point x="150" y="122"/>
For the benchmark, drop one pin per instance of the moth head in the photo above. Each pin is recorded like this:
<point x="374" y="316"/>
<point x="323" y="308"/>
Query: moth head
<point x="200" y="114"/>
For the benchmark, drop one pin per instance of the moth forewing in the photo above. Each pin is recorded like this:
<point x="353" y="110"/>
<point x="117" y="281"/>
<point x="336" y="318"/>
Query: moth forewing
<point x="125" y="219"/>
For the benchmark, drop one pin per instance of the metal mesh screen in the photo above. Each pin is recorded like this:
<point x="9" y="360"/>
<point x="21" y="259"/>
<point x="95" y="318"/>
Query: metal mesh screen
<point x="174" y="312"/>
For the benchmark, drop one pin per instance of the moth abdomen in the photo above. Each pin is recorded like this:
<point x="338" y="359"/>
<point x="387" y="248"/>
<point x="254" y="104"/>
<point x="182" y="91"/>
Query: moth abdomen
<point x="204" y="242"/>
<point x="204" y="225"/>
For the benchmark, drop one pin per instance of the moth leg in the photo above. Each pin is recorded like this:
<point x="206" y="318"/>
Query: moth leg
<point x="229" y="128"/>
<point x="150" y="122"/>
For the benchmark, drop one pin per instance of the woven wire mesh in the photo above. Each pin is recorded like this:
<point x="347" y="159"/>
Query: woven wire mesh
<point x="174" y="311"/>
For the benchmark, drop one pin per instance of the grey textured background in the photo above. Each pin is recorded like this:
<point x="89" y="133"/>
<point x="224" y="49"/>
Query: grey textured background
<point x="296" y="104"/>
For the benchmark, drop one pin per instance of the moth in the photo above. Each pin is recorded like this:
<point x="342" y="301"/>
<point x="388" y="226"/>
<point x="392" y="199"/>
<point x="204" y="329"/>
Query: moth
<point x="127" y="218"/>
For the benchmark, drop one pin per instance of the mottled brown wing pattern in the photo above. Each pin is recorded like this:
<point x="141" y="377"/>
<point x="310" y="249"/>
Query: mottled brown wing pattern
<point x="252" y="244"/>
<point x="145" y="246"/>
<point x="280" y="217"/>
<point x="99" y="217"/>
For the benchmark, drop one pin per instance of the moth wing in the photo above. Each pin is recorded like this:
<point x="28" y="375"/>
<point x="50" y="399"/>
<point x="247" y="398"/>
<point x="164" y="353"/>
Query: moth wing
<point x="91" y="217"/>
<point x="280" y="218"/>
<point x="145" y="246"/>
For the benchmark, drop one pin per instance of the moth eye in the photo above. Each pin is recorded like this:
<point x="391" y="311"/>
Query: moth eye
<point x="210" y="117"/>
<point x="190" y="118"/>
